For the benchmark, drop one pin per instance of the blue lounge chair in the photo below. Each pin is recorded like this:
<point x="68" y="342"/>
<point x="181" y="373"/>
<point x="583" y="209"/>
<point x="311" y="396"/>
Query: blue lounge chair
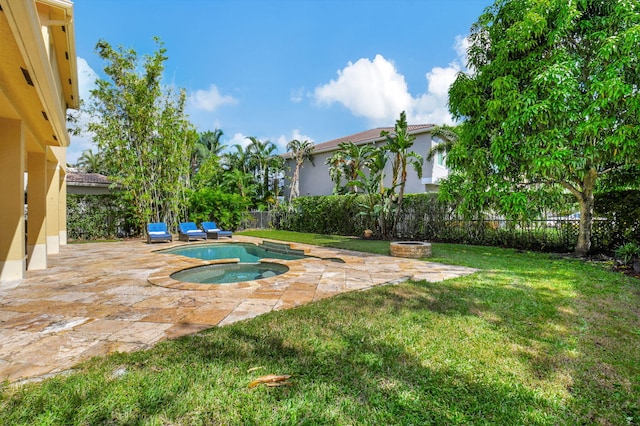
<point x="213" y="232"/>
<point x="189" y="231"/>
<point x="158" y="232"/>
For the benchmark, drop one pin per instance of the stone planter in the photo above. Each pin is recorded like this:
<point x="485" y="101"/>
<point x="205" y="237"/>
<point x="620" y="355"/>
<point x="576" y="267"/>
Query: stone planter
<point x="411" y="249"/>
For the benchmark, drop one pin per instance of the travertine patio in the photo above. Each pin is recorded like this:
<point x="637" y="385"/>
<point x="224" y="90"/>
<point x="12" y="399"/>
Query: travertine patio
<point x="99" y="298"/>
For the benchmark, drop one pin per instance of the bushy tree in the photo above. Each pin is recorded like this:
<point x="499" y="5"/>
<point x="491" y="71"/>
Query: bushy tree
<point x="143" y="133"/>
<point x="551" y="103"/>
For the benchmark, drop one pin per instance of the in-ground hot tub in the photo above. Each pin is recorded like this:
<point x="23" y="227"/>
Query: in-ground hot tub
<point x="224" y="273"/>
<point x="235" y="262"/>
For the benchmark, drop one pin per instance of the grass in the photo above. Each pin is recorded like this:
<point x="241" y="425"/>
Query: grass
<point x="531" y="339"/>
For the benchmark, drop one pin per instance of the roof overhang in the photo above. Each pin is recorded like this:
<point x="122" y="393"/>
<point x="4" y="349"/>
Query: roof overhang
<point x="47" y="58"/>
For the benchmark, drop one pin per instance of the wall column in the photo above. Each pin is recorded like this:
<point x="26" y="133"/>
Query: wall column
<point x="60" y="154"/>
<point x="53" y="207"/>
<point x="36" y="211"/>
<point x="62" y="209"/>
<point x="12" y="230"/>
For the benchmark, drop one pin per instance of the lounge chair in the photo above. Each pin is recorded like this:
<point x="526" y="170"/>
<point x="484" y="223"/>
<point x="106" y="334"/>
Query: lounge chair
<point x="213" y="232"/>
<point x="158" y="232"/>
<point x="189" y="231"/>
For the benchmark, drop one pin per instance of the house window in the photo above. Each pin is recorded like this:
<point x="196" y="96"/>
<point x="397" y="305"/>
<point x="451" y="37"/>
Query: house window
<point x="439" y="156"/>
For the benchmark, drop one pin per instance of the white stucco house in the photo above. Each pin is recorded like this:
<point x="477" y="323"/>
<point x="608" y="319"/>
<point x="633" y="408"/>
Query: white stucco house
<point x="315" y="179"/>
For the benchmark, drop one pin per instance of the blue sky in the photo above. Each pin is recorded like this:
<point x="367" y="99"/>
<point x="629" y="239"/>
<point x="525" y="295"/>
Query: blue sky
<point x="279" y="70"/>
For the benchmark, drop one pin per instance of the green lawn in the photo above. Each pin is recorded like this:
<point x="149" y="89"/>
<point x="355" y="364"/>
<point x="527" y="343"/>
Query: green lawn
<point x="531" y="339"/>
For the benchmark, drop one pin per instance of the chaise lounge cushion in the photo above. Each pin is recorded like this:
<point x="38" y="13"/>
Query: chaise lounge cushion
<point x="189" y="231"/>
<point x="157" y="231"/>
<point x="213" y="232"/>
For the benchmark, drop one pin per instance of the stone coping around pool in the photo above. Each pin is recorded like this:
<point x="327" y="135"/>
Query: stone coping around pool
<point x="163" y="277"/>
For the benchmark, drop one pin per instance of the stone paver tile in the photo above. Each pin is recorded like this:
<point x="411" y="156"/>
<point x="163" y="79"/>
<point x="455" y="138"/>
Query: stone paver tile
<point x="14" y="341"/>
<point x="64" y="324"/>
<point x="128" y="313"/>
<point x="167" y="315"/>
<point x="102" y="326"/>
<point x="140" y="332"/>
<point x="33" y="322"/>
<point x="293" y="298"/>
<point x="19" y="370"/>
<point x="51" y="350"/>
<point x="206" y="316"/>
<point x="8" y="315"/>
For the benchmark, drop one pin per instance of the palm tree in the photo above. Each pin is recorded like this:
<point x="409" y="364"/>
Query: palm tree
<point x="261" y="157"/>
<point x="237" y="160"/>
<point x="205" y="158"/>
<point x="237" y="180"/>
<point x="399" y="143"/>
<point x="355" y="158"/>
<point x="336" y="169"/>
<point x="90" y="162"/>
<point x="300" y="151"/>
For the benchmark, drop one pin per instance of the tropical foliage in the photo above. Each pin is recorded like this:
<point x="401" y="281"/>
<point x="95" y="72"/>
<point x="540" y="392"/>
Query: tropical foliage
<point x="300" y="151"/>
<point x="143" y="133"/>
<point x="551" y="103"/>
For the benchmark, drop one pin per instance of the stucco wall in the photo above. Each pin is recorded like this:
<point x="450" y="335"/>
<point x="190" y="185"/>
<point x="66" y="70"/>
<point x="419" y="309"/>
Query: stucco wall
<point x="315" y="179"/>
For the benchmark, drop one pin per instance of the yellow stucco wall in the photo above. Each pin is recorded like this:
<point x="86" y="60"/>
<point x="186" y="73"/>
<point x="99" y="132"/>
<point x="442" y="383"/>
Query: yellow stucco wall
<point x="38" y="82"/>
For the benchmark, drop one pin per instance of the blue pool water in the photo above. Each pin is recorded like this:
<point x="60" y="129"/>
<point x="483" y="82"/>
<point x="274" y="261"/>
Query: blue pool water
<point x="229" y="273"/>
<point x="246" y="252"/>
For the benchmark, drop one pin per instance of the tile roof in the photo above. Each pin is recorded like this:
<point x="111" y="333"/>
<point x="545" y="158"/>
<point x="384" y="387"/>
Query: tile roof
<point x="87" y="179"/>
<point x="365" y="137"/>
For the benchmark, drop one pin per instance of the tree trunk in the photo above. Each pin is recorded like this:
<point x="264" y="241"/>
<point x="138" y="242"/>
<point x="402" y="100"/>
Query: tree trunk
<point x="583" y="245"/>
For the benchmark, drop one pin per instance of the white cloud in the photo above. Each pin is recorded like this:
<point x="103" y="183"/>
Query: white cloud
<point x="375" y="90"/>
<point x="297" y="95"/>
<point x="238" y="139"/>
<point x="209" y="100"/>
<point x="86" y="78"/>
<point x="371" y="89"/>
<point x="84" y="141"/>
<point x="461" y="46"/>
<point x="282" y="141"/>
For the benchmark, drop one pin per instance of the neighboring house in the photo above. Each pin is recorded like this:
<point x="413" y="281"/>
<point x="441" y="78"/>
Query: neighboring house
<point x="87" y="183"/>
<point x="38" y="82"/>
<point x="315" y="179"/>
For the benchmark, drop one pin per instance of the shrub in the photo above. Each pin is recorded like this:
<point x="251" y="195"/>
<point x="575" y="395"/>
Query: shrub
<point x="91" y="217"/>
<point x="227" y="210"/>
<point x="627" y="253"/>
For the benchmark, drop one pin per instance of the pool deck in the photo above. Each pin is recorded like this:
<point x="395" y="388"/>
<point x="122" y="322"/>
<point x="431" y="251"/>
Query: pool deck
<point x="99" y="298"/>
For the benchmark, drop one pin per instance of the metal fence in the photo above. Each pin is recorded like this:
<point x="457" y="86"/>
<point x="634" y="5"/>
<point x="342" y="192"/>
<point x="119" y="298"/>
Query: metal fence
<point x="551" y="234"/>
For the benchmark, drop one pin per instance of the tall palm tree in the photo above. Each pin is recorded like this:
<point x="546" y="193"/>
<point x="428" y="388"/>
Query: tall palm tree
<point x="300" y="152"/>
<point x="238" y="159"/>
<point x="399" y="144"/>
<point x="261" y="157"/>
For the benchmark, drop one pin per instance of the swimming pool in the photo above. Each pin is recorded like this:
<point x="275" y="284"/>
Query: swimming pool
<point x="246" y="252"/>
